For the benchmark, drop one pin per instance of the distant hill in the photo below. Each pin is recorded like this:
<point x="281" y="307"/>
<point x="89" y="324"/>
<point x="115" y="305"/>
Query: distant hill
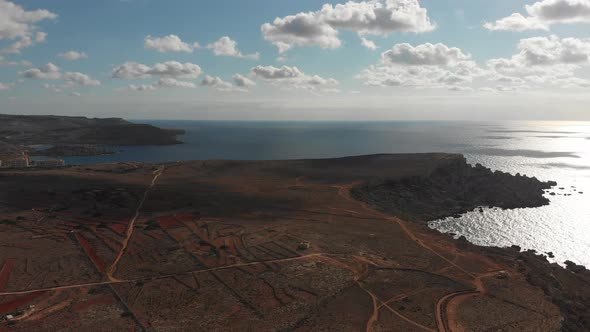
<point x="22" y="130"/>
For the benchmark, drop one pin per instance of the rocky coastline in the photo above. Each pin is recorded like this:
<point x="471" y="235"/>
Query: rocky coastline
<point x="451" y="190"/>
<point x="456" y="188"/>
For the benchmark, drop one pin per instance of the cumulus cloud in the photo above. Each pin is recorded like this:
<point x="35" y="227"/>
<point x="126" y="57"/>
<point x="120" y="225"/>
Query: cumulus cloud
<point x="170" y="69"/>
<point x="544" y="59"/>
<point x="292" y="77"/>
<point x="167" y="82"/>
<point x="46" y="72"/>
<point x="271" y="72"/>
<point x="170" y="74"/>
<point x="170" y="43"/>
<point x="226" y="46"/>
<point x="424" y="55"/>
<point x="368" y="43"/>
<point x="243" y="81"/>
<point x="73" y="55"/>
<point x="18" y="25"/>
<point x="320" y="28"/>
<point x="425" y="65"/>
<point x="543" y="14"/>
<point x="219" y="84"/>
<point x="516" y="22"/>
<point x="54" y="73"/>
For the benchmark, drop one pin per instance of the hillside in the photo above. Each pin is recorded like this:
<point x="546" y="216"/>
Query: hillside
<point x="69" y="133"/>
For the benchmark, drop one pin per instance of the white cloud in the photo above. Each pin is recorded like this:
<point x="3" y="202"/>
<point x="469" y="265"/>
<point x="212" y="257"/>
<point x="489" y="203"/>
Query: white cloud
<point x="243" y="81"/>
<point x="271" y="72"/>
<point x="171" y="69"/>
<point x="573" y="82"/>
<point x="424" y="55"/>
<point x="561" y="11"/>
<point x="553" y="50"/>
<point x="170" y="74"/>
<point x="320" y="28"/>
<point x="167" y="82"/>
<point x="292" y="77"/>
<point x="5" y="86"/>
<point x="516" y="22"/>
<point x="170" y="43"/>
<point x="53" y="72"/>
<point x="79" y="79"/>
<point x="426" y="65"/>
<point x="46" y="72"/>
<point x="226" y="46"/>
<point x="220" y="85"/>
<point x="18" y="24"/>
<point x="73" y="55"/>
<point x="544" y="60"/>
<point x="368" y="43"/>
<point x="543" y="14"/>
<point x="141" y="87"/>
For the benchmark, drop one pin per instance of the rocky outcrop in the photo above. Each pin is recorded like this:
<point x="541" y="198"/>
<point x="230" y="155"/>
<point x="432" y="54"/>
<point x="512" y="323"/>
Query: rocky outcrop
<point x="452" y="189"/>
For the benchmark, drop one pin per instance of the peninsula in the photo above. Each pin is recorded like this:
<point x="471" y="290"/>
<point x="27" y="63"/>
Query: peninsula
<point x="302" y="245"/>
<point x="70" y="136"/>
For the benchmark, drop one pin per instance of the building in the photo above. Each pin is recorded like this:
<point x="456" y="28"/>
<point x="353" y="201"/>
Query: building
<point x="49" y="163"/>
<point x="16" y="163"/>
<point x="21" y="162"/>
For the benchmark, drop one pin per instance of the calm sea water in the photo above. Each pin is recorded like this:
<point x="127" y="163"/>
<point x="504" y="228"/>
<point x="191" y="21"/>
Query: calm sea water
<point x="557" y="151"/>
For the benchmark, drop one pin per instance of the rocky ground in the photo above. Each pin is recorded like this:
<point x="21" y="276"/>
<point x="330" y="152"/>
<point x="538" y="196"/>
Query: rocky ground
<point x="452" y="189"/>
<point x="272" y="246"/>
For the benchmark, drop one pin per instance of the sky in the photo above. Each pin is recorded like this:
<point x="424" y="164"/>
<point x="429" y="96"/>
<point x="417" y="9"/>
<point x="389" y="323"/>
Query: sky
<point x="297" y="60"/>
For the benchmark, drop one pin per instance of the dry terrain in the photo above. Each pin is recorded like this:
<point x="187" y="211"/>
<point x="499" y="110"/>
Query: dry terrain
<point x="251" y="246"/>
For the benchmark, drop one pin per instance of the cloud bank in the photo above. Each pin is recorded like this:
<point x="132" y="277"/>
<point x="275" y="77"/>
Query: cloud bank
<point x="320" y="28"/>
<point x="543" y="14"/>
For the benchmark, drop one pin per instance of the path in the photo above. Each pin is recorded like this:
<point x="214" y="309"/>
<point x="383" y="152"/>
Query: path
<point x="113" y="268"/>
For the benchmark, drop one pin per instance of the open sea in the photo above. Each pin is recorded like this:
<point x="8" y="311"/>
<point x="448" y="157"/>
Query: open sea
<point x="558" y="151"/>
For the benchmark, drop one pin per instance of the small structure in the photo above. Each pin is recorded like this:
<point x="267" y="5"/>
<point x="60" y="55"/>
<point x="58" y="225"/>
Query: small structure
<point x="16" y="163"/>
<point x="304" y="245"/>
<point x="21" y="162"/>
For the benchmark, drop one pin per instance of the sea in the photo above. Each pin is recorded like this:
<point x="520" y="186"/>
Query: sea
<point x="558" y="151"/>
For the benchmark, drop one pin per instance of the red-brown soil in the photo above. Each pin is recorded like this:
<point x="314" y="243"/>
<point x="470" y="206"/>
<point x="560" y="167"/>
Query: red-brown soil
<point x="219" y="246"/>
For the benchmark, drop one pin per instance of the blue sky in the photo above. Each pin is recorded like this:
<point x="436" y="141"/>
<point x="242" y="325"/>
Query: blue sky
<point x="383" y="81"/>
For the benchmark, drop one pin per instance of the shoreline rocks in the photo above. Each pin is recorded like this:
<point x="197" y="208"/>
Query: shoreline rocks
<point x="451" y="190"/>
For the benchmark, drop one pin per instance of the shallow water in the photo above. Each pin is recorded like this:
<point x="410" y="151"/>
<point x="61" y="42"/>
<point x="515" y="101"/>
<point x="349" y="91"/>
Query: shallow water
<point x="558" y="151"/>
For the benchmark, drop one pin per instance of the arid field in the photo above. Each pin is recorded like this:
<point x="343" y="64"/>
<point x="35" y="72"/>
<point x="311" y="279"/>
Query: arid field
<point x="257" y="246"/>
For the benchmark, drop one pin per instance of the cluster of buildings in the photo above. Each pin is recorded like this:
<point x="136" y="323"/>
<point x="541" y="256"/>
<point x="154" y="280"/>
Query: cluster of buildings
<point x="25" y="162"/>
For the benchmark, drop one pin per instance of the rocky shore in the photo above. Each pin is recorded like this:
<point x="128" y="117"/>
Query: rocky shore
<point x="452" y="189"/>
<point x="457" y="187"/>
<point x="568" y="288"/>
